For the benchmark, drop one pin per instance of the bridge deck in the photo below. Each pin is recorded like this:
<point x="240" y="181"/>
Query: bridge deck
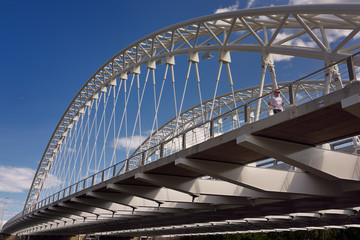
<point x="319" y="121"/>
<point x="322" y="120"/>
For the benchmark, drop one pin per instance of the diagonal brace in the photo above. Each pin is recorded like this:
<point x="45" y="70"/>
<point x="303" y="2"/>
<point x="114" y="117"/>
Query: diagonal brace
<point x="157" y="194"/>
<point x="328" y="164"/>
<point x="263" y="179"/>
<point x="124" y="199"/>
<point x="185" y="185"/>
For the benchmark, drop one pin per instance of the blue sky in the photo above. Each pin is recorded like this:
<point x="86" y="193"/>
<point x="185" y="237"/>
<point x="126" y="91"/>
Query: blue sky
<point x="49" y="49"/>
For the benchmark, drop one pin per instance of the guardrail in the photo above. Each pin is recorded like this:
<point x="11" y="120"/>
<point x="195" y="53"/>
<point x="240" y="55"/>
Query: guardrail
<point x="342" y="72"/>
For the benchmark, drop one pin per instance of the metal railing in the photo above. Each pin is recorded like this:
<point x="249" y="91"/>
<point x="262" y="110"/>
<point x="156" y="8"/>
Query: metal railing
<point x="226" y="122"/>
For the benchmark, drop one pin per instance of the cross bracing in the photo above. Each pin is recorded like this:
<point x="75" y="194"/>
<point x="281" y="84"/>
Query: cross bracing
<point x="167" y="135"/>
<point x="128" y="99"/>
<point x="112" y="205"/>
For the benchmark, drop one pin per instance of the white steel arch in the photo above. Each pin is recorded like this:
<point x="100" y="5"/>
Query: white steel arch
<point x="223" y="106"/>
<point x="272" y="30"/>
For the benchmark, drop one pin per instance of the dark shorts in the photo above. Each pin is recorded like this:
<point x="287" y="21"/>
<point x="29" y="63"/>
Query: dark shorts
<point x="276" y="111"/>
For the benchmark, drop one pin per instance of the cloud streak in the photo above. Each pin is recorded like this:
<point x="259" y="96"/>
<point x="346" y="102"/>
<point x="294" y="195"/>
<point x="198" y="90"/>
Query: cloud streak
<point x="250" y="3"/>
<point x="128" y="143"/>
<point x="228" y="9"/>
<point x="15" y="179"/>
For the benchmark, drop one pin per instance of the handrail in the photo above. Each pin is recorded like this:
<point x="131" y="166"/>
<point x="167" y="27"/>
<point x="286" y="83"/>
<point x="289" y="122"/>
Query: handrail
<point x="82" y="184"/>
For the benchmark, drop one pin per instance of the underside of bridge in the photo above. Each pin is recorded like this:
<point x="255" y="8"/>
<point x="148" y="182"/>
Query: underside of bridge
<point x="227" y="164"/>
<point x="212" y="187"/>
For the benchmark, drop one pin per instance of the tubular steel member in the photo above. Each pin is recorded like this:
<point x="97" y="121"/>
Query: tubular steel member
<point x="201" y="35"/>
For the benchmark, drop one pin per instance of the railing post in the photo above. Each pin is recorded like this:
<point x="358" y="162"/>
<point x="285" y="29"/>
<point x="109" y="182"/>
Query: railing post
<point x="142" y="158"/>
<point x="127" y="165"/>
<point x="351" y="69"/>
<point x="212" y="128"/>
<point x="102" y="175"/>
<point x="291" y="94"/>
<point x="93" y="180"/>
<point x="184" y="140"/>
<point x="246" y="113"/>
<point x="162" y="150"/>
<point x="114" y="170"/>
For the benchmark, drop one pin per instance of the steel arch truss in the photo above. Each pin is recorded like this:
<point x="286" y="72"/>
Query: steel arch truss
<point x="223" y="108"/>
<point x="276" y="30"/>
<point x="183" y="190"/>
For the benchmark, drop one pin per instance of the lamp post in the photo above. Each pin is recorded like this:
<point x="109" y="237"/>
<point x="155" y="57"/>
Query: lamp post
<point x="2" y="213"/>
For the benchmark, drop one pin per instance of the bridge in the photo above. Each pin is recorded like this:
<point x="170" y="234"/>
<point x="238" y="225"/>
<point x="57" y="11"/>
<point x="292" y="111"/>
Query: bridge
<point x="152" y="146"/>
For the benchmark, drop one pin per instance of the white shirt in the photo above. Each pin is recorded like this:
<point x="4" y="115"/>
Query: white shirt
<point x="277" y="101"/>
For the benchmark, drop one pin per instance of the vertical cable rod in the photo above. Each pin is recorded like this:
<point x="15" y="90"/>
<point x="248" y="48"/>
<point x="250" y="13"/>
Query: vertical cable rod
<point x="215" y="91"/>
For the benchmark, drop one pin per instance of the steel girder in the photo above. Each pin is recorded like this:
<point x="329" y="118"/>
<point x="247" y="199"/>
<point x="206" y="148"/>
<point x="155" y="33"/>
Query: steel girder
<point x="204" y="35"/>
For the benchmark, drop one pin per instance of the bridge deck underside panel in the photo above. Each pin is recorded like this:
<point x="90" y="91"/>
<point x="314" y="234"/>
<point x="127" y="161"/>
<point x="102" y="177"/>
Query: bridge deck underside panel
<point x="327" y="124"/>
<point x="170" y="190"/>
<point x="316" y="122"/>
<point x="229" y="152"/>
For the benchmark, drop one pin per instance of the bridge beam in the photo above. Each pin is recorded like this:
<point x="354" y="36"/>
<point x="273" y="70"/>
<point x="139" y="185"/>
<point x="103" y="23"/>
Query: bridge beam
<point x="271" y="180"/>
<point x="352" y="104"/>
<point x="51" y="217"/>
<point x="171" y="200"/>
<point x="327" y="164"/>
<point x="65" y="210"/>
<point x="141" y="204"/>
<point x="84" y="208"/>
<point x="123" y="199"/>
<point x="102" y="204"/>
<point x="121" y="210"/>
<point x="202" y="191"/>
<point x="157" y="194"/>
<point x="115" y="209"/>
<point x="41" y="219"/>
<point x="181" y="184"/>
<point x="65" y="215"/>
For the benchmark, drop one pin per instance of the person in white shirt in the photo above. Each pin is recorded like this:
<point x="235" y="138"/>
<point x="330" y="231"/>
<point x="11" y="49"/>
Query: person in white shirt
<point x="276" y="102"/>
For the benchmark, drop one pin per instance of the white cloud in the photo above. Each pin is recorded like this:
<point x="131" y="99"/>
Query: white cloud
<point x="264" y="18"/>
<point x="130" y="142"/>
<point x="70" y="150"/>
<point x="14" y="179"/>
<point x="229" y="9"/>
<point x="52" y="181"/>
<point x="300" y="96"/>
<point x="299" y="42"/>
<point x="303" y="43"/>
<point x="250" y="3"/>
<point x="334" y="35"/>
<point x="279" y="58"/>
<point x="357" y="71"/>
